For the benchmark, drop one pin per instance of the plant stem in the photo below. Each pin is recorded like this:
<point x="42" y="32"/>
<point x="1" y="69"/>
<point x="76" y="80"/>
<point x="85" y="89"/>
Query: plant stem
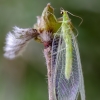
<point x="47" y="54"/>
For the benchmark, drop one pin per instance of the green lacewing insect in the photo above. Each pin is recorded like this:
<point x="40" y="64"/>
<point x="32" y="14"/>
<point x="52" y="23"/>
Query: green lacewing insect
<point x="67" y="74"/>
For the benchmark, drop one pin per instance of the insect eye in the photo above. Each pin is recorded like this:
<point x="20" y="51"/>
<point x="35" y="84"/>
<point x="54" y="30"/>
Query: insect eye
<point x="61" y="12"/>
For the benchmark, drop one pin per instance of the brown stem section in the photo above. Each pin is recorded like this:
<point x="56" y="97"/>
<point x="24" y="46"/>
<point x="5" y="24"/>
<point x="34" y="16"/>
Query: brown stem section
<point x="47" y="54"/>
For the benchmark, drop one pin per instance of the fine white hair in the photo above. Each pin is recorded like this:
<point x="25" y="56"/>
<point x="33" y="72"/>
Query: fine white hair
<point x="16" y="41"/>
<point x="45" y="36"/>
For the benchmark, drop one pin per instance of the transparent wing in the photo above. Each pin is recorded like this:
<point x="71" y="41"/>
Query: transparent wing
<point x="17" y="41"/>
<point x="81" y="80"/>
<point x="64" y="89"/>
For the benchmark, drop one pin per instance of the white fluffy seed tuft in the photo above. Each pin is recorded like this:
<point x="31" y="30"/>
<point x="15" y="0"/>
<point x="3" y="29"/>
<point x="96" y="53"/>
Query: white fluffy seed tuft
<point x="17" y="41"/>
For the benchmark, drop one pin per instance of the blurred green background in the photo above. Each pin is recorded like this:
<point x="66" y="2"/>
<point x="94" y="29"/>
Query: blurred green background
<point x="25" y="77"/>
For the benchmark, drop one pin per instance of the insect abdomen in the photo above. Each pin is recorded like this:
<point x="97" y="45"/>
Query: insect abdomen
<point x="68" y="59"/>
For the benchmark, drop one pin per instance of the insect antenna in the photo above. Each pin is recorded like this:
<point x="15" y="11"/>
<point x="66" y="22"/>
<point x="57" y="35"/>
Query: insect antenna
<point x="76" y="16"/>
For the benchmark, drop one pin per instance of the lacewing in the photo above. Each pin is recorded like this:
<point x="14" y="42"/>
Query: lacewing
<point x="67" y="74"/>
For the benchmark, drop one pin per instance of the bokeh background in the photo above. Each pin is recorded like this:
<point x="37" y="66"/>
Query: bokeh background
<point x="25" y="78"/>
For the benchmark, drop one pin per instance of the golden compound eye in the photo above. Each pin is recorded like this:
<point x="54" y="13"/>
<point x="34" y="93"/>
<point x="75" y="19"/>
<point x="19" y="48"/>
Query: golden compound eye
<point x="61" y="12"/>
